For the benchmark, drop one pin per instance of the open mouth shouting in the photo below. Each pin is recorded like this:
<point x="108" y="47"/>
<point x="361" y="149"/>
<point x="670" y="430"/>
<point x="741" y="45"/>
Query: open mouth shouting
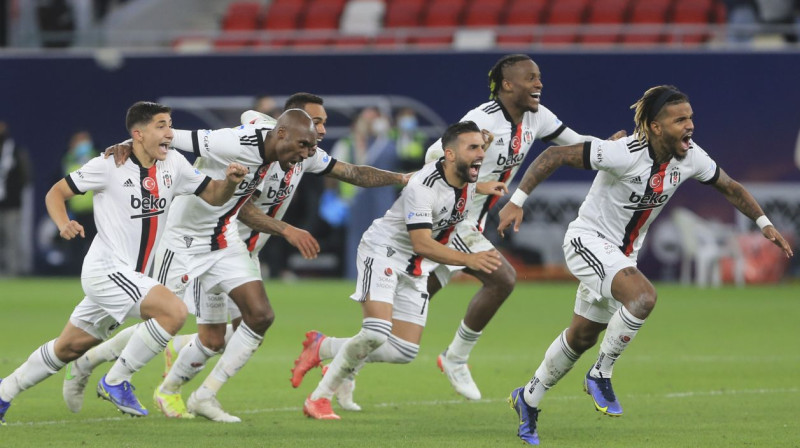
<point x="474" y="169"/>
<point x="685" y="141"/>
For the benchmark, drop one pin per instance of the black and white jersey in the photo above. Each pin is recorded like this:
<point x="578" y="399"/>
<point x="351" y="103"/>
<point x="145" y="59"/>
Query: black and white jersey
<point x="277" y="190"/>
<point x="195" y="226"/>
<point x="130" y="208"/>
<point x="427" y="202"/>
<point x="631" y="189"/>
<point x="509" y="148"/>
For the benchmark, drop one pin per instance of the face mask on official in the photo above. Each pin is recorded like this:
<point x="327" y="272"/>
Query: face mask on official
<point x="407" y="123"/>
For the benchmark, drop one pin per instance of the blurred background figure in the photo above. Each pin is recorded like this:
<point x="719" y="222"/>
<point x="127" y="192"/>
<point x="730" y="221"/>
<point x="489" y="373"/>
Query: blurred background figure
<point x="781" y="12"/>
<point x="411" y="142"/>
<point x="15" y="176"/>
<point x="81" y="150"/>
<point x="267" y="105"/>
<point x="370" y="142"/>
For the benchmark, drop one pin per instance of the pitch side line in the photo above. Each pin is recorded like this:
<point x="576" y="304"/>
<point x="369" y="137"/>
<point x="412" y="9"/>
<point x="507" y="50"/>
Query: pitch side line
<point x="298" y="409"/>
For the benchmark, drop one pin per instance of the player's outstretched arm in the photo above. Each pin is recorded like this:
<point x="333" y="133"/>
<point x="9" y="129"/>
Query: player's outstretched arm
<point x="366" y="176"/>
<point x="737" y="195"/>
<point x="251" y="216"/>
<point x="217" y="192"/>
<point x="54" y="201"/>
<point x="431" y="249"/>
<point x="491" y="188"/>
<point x="541" y="168"/>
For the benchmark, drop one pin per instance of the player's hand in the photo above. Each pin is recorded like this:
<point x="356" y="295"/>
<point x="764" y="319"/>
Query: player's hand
<point x="236" y="172"/>
<point x="509" y="214"/>
<point x="494" y="188"/>
<point x="488" y="138"/>
<point x="618" y="135"/>
<point x="487" y="261"/>
<point x="407" y="177"/>
<point x="772" y="234"/>
<point x="120" y="151"/>
<point x="71" y="230"/>
<point x="303" y="241"/>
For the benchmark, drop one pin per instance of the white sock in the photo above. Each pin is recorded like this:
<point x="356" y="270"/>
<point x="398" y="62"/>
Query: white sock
<point x="147" y="341"/>
<point x="558" y="360"/>
<point x="42" y="363"/>
<point x="238" y="351"/>
<point x="182" y="340"/>
<point x="395" y="351"/>
<point x="108" y="351"/>
<point x="622" y="328"/>
<point x="190" y="361"/>
<point x="330" y="347"/>
<point x="462" y="344"/>
<point x="374" y="332"/>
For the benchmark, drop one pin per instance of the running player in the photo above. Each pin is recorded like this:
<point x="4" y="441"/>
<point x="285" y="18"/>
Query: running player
<point x="637" y="176"/>
<point x="130" y="203"/>
<point x="516" y="118"/>
<point x="398" y="251"/>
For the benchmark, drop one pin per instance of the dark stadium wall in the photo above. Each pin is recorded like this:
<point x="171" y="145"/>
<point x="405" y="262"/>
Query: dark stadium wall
<point x="746" y="109"/>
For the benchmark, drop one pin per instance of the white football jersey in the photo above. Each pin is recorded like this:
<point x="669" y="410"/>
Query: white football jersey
<point x="130" y="208"/>
<point x="195" y="226"/>
<point x="630" y="189"/>
<point x="509" y="148"/>
<point x="276" y="193"/>
<point x="427" y="202"/>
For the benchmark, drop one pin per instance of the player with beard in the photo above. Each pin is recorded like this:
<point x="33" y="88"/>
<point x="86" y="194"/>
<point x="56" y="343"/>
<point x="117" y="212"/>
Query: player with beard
<point x="399" y="250"/>
<point x="637" y="176"/>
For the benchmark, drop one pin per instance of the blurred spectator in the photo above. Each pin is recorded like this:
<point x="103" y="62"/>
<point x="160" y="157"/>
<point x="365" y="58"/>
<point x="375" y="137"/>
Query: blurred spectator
<point x="56" y="22"/>
<point x="79" y="207"/>
<point x="742" y="14"/>
<point x="369" y="143"/>
<point x="267" y="105"/>
<point x="14" y="177"/>
<point x="411" y="142"/>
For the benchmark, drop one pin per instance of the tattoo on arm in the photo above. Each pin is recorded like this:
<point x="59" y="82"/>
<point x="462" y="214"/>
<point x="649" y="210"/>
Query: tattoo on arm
<point x="364" y="176"/>
<point x="548" y="161"/>
<point x="627" y="272"/>
<point x="737" y="195"/>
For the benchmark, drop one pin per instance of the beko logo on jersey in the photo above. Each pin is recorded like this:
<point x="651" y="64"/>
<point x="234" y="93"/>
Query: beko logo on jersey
<point x="452" y="220"/>
<point x="248" y="187"/>
<point x="150" y="204"/>
<point x="646" y="201"/>
<point x="509" y="160"/>
<point x="281" y="193"/>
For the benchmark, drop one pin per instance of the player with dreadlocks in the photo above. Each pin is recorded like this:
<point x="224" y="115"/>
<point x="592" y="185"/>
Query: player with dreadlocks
<point x="636" y="177"/>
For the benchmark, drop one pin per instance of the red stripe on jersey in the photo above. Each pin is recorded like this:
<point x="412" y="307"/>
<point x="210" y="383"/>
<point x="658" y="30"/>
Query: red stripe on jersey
<point x="514" y="145"/>
<point x="218" y="240"/>
<point x="149" y="224"/>
<point x="640" y="217"/>
<point x="252" y="240"/>
<point x="415" y="263"/>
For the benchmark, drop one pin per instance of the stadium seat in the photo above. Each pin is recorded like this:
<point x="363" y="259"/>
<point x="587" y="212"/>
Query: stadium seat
<point x="690" y="13"/>
<point x="607" y="16"/>
<point x="443" y="13"/>
<point x="353" y="42"/>
<point x="514" y="40"/>
<point x="404" y="14"/>
<point x="484" y="12"/>
<point x="567" y="12"/>
<point x="322" y="14"/>
<point x="648" y="18"/>
<point x="525" y="12"/>
<point x="437" y="41"/>
<point x="283" y="16"/>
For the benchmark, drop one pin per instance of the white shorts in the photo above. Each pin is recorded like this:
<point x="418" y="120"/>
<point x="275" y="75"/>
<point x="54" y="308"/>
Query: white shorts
<point x="468" y="239"/>
<point x="110" y="299"/>
<point x="594" y="261"/>
<point x="408" y="295"/>
<point x="216" y="308"/>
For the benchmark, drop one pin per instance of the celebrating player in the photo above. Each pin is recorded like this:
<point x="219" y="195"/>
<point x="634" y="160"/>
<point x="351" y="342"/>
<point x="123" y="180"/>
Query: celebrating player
<point x="516" y="118"/>
<point x="130" y="203"/>
<point x="637" y="176"/>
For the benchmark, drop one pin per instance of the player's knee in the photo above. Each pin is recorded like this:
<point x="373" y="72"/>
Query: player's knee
<point x="173" y="317"/>
<point x="260" y="321"/>
<point x="580" y="341"/>
<point x="70" y="350"/>
<point x="644" y="303"/>
<point x="213" y="340"/>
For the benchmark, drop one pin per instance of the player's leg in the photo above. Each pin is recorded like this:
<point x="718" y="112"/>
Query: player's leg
<point x="45" y="361"/>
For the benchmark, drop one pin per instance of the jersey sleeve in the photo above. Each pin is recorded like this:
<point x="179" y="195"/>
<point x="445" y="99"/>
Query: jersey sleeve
<point x="222" y="145"/>
<point x="607" y="155"/>
<point x="550" y="126"/>
<point x="93" y="176"/>
<point x="189" y="179"/>
<point x="418" y="207"/>
<point x="704" y="168"/>
<point x="320" y="163"/>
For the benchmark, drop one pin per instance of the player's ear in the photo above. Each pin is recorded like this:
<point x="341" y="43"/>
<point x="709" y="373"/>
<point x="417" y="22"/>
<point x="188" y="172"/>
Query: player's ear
<point x="449" y="154"/>
<point x="136" y="134"/>
<point x="655" y="127"/>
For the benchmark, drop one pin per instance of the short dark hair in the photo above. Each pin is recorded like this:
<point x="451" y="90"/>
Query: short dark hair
<point x="300" y="99"/>
<point x="142" y="112"/>
<point x="454" y="130"/>
<point x="496" y="73"/>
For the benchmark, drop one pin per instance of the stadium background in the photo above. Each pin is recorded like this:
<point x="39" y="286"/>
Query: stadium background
<point x="744" y="97"/>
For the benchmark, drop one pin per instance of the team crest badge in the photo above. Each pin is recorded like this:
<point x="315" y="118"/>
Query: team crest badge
<point x="675" y="177"/>
<point x="148" y="183"/>
<point x="527" y="136"/>
<point x="167" y="180"/>
<point x="656" y="181"/>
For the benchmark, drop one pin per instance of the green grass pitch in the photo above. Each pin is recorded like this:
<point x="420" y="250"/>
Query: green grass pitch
<point x="710" y="368"/>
